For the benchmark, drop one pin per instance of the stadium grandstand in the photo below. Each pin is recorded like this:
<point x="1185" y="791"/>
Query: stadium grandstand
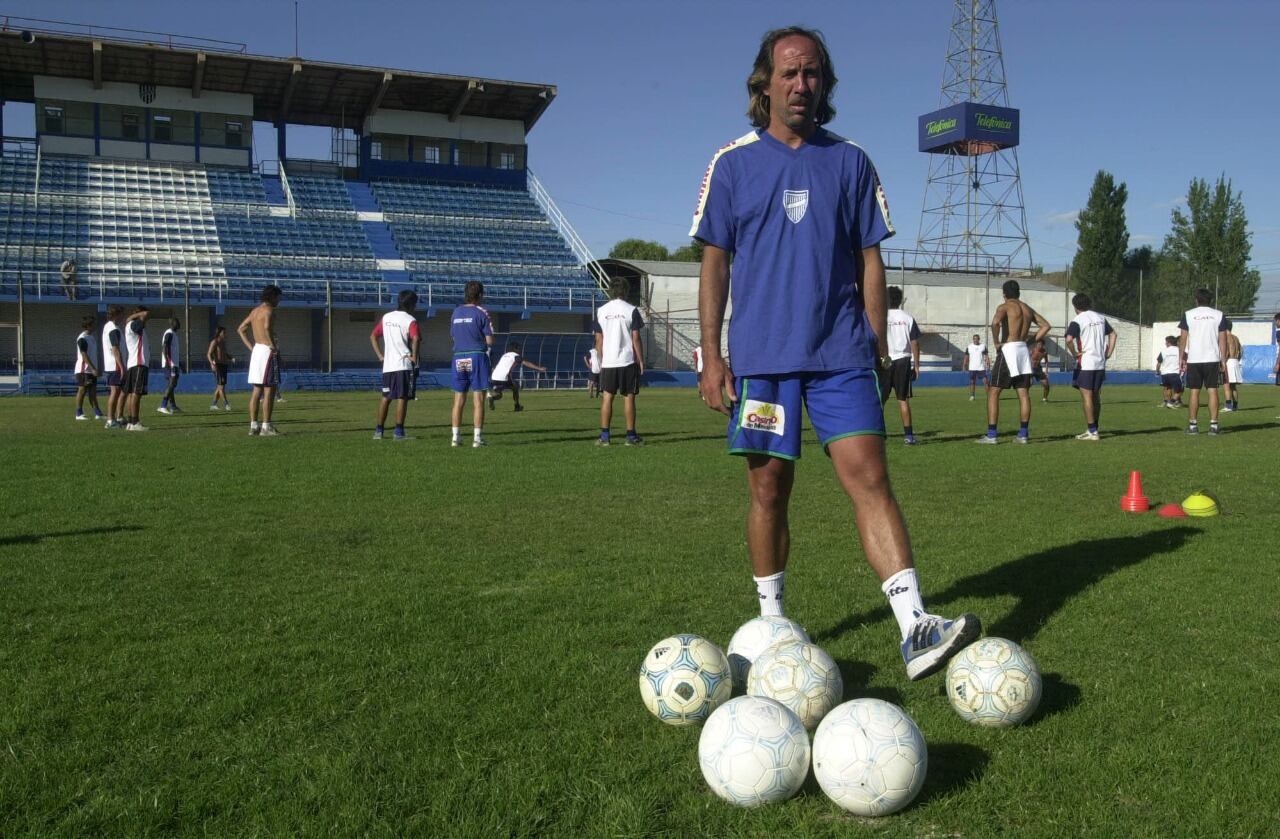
<point x="141" y="186"/>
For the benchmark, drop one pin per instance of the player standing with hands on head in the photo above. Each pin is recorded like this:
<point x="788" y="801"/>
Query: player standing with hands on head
<point x="904" y="355"/>
<point x="801" y="213"/>
<point x="1202" y="345"/>
<point x="1091" y="340"/>
<point x="113" y="366"/>
<point x="264" y="360"/>
<point x="401" y="337"/>
<point x="137" y="373"/>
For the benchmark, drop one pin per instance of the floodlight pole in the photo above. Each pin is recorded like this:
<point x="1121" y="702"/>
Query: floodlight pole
<point x="186" y="319"/>
<point x="328" y="316"/>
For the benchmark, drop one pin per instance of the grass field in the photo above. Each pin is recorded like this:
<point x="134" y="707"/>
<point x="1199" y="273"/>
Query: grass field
<point x="323" y="635"/>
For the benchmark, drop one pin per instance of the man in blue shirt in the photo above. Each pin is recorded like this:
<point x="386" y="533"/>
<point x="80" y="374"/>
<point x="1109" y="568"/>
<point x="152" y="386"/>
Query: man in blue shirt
<point x="801" y="213"/>
<point x="472" y="334"/>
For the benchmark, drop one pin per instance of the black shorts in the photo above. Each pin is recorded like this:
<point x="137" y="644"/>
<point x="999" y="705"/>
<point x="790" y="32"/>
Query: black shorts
<point x="113" y="378"/>
<point x="624" y="380"/>
<point x="1088" y="379"/>
<point x="1204" y="374"/>
<point x="135" y="379"/>
<point x="497" y="387"/>
<point x="220" y="374"/>
<point x="1039" y="373"/>
<point x="898" y="380"/>
<point x="593" y="378"/>
<point x="86" y="380"/>
<point x="1172" y="381"/>
<point x="399" y="384"/>
<point x="1000" y="378"/>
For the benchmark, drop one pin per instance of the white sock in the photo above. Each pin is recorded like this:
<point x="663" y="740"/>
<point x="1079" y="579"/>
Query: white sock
<point x="770" y="590"/>
<point x="455" y="432"/>
<point x="476" y="433"/>
<point x="903" y="591"/>
<point x="254" y="425"/>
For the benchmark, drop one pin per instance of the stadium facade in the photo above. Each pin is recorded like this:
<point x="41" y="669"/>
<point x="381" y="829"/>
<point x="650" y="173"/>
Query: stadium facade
<point x="142" y="172"/>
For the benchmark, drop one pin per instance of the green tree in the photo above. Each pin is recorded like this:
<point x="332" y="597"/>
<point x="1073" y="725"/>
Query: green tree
<point x="639" y="249"/>
<point x="1098" y="268"/>
<point x="691" y="252"/>
<point x="1208" y="247"/>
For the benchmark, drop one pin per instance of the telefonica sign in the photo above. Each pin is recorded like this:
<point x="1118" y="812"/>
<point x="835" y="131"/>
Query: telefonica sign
<point x="993" y="123"/>
<point x="938" y="126"/>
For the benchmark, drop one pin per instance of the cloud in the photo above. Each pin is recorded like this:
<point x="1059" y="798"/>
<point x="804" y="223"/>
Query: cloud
<point x="1062" y="218"/>
<point x="1142" y="238"/>
<point x="1180" y="201"/>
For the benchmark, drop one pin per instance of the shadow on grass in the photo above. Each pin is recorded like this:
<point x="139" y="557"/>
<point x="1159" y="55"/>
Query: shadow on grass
<point x="1057" y="696"/>
<point x="36" y="538"/>
<point x="1042" y="582"/>
<point x="952" y="767"/>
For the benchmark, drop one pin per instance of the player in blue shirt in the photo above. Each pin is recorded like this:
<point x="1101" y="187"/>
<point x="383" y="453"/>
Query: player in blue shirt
<point x="472" y="333"/>
<point x="801" y="213"/>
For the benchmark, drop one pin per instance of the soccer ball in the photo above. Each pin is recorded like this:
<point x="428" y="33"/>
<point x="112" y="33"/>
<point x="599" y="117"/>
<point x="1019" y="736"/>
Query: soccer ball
<point x="754" y="637"/>
<point x="683" y="679"/>
<point x="869" y="757"/>
<point x="754" y="751"/>
<point x="799" y="675"/>
<point x="994" y="682"/>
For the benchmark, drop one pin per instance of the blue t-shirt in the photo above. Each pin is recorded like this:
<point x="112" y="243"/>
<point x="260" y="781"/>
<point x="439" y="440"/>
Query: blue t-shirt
<point x="469" y="325"/>
<point x="795" y="221"/>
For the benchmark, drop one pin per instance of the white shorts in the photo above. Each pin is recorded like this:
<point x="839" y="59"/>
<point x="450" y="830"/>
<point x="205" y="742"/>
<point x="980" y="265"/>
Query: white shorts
<point x="1235" y="372"/>
<point x="1017" y="358"/>
<point x="263" y="369"/>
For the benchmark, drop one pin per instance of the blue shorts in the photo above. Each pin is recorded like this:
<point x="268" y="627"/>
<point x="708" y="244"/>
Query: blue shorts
<point x="399" y="384"/>
<point x="114" y="379"/>
<point x="1173" y="381"/>
<point x="766" y="418"/>
<point x="1088" y="379"/>
<point x="974" y="375"/>
<point x="470" y="371"/>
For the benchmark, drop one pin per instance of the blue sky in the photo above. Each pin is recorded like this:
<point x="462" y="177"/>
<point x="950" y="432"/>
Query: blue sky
<point x="1155" y="91"/>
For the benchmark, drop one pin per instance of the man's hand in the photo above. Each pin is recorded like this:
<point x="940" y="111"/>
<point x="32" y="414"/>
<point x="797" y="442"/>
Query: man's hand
<point x="717" y="379"/>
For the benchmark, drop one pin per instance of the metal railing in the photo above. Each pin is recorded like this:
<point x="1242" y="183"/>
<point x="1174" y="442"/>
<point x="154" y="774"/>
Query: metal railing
<point x="561" y="223"/>
<point x="288" y="193"/>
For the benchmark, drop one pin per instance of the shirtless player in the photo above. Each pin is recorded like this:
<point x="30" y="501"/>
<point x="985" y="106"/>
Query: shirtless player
<point x="1010" y="326"/>
<point x="264" y="368"/>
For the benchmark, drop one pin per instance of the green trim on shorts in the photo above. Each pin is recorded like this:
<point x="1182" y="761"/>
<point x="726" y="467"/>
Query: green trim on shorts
<point x="737" y="429"/>
<point x="827" y="445"/>
<point x="471" y="352"/>
<point x="765" y="452"/>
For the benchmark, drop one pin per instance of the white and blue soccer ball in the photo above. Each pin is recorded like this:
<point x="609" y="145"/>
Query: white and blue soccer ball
<point x="869" y="757"/>
<point x="683" y="679"/>
<point x="994" y="682"/>
<point x="754" y="637"/>
<point x="754" y="751"/>
<point x="801" y="676"/>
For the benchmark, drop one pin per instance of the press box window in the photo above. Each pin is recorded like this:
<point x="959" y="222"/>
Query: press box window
<point x="162" y="128"/>
<point x="130" y="127"/>
<point x="53" y="120"/>
<point x="234" y="132"/>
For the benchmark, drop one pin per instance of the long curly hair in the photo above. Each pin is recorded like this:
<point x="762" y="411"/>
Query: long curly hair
<point x="762" y="72"/>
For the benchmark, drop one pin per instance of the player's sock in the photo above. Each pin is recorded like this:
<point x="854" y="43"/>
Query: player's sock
<point x="79" y="412"/>
<point x="377" y="429"/>
<point x="770" y="590"/>
<point x="254" y="425"/>
<point x="164" y="403"/>
<point x="1022" y="429"/>
<point x="456" y="431"/>
<point x="604" y="434"/>
<point x="906" y="431"/>
<point x="903" y="591"/>
<point x="991" y="431"/>
<point x="475" y="433"/>
<point x="399" y="430"/>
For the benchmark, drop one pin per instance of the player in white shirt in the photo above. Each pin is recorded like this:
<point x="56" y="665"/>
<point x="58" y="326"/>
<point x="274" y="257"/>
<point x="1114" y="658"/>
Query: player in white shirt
<point x="87" y="369"/>
<point x="1202" y="344"/>
<point x="1168" y="367"/>
<point x="137" y="372"/>
<point x="504" y="375"/>
<point x="617" y="329"/>
<point x="401" y="339"/>
<point x="592" y="362"/>
<point x="903" y="340"/>
<point x="976" y="363"/>
<point x="1235" y="371"/>
<point x="1091" y="340"/>
<point x="113" y="365"/>
<point x="697" y="366"/>
<point x="169" y="363"/>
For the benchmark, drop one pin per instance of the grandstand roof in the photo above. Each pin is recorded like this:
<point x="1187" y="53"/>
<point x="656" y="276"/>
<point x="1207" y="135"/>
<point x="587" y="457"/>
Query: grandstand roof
<point x="294" y="90"/>
<point x="653" y="268"/>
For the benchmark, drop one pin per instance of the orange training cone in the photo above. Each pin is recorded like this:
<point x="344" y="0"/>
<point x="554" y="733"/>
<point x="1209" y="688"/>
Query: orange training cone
<point x="1134" y="501"/>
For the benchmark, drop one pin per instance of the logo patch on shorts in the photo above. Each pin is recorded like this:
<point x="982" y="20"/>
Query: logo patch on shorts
<point x="795" y="202"/>
<point x="462" y="365"/>
<point x="764" y="416"/>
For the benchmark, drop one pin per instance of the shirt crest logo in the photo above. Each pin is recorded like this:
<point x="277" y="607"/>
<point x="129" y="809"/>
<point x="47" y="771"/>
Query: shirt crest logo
<point x="795" y="202"/>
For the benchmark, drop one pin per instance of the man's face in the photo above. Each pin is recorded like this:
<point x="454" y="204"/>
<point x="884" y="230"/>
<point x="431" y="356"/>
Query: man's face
<point x="795" y="89"/>
<point x="976" y="340"/>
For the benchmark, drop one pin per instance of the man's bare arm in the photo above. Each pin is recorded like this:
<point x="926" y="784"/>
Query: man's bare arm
<point x="1182" y="350"/>
<point x="243" y="330"/>
<point x="1111" y="342"/>
<point x="638" y="348"/>
<point x="1224" y="349"/>
<point x="208" y="354"/>
<point x="373" y="339"/>
<point x="713" y="297"/>
<point x="271" y="330"/>
<point x="997" y="320"/>
<point x="1042" y="323"/>
<point x="875" y="297"/>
